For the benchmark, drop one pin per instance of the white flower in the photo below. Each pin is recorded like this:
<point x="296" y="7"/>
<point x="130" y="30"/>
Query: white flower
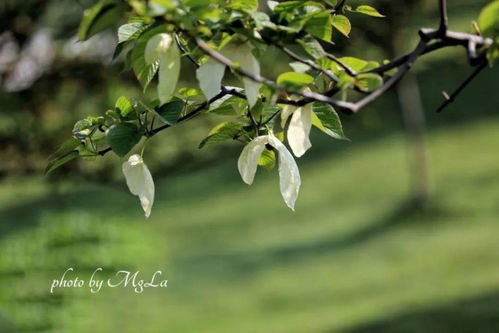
<point x="162" y="48"/>
<point x="139" y="181"/>
<point x="289" y="175"/>
<point x="210" y="74"/>
<point x="299" y="127"/>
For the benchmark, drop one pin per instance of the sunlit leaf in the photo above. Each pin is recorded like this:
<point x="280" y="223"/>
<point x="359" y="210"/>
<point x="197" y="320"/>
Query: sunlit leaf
<point x="341" y="23"/>
<point x="327" y="120"/>
<point x="222" y="132"/>
<point x="294" y="80"/>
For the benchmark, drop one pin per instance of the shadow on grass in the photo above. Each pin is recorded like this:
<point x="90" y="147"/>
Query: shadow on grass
<point x="29" y="213"/>
<point x="235" y="264"/>
<point x="478" y="314"/>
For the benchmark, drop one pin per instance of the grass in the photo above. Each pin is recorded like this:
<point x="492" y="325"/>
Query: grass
<point x="351" y="258"/>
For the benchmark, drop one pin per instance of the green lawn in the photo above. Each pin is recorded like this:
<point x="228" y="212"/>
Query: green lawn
<point x="351" y="258"/>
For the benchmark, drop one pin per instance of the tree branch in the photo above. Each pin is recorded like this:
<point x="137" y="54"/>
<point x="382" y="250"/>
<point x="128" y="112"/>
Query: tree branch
<point x="430" y="41"/>
<point x="443" y="17"/>
<point x="452" y="97"/>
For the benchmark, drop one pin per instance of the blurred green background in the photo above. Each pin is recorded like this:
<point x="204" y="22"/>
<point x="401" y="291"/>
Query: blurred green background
<point x="357" y="255"/>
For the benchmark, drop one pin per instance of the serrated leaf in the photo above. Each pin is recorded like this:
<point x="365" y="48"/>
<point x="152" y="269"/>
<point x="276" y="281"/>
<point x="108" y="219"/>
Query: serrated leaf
<point x="61" y="160"/>
<point x="228" y="105"/>
<point x="294" y="80"/>
<point x="318" y="25"/>
<point x="369" y="81"/>
<point x="356" y="64"/>
<point x="342" y="23"/>
<point x="368" y="10"/>
<point x="326" y="119"/>
<point x="222" y="132"/>
<point x="122" y="138"/>
<point x="170" y="111"/>
<point x="262" y="20"/>
<point x="311" y="46"/>
<point x="130" y="31"/>
<point x="99" y="17"/>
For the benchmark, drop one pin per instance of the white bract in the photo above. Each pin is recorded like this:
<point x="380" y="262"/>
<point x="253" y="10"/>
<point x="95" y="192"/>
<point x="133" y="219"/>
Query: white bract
<point x="299" y="127"/>
<point x="162" y="48"/>
<point x="289" y="175"/>
<point x="210" y="74"/>
<point x="139" y="181"/>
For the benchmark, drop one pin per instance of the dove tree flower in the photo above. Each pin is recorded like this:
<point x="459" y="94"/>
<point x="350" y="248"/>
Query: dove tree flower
<point x="139" y="181"/>
<point x="289" y="175"/>
<point x="211" y="73"/>
<point x="162" y="48"/>
<point x="299" y="127"/>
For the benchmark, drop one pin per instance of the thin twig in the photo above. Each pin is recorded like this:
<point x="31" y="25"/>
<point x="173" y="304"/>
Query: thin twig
<point x="430" y="40"/>
<point x="185" y="52"/>
<point x="450" y="98"/>
<point x="347" y="68"/>
<point x="444" y="21"/>
<point x="308" y="62"/>
<point x="346" y="106"/>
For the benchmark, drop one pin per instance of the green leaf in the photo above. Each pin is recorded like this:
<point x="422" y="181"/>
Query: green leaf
<point x="369" y="81"/>
<point x="267" y="159"/>
<point x="327" y="120"/>
<point x="228" y="105"/>
<point x="493" y="53"/>
<point x="99" y="17"/>
<point x="262" y="20"/>
<point x="130" y="31"/>
<point x="69" y="144"/>
<point x="341" y="23"/>
<point x="319" y="25"/>
<point x="170" y="111"/>
<point x="356" y="64"/>
<point x="311" y="46"/>
<point x="367" y="10"/>
<point x="293" y="80"/>
<point x="287" y="9"/>
<point x="222" y="132"/>
<point x="244" y="4"/>
<point x="488" y="21"/>
<point x="61" y="160"/>
<point x="122" y="138"/>
<point x="124" y="106"/>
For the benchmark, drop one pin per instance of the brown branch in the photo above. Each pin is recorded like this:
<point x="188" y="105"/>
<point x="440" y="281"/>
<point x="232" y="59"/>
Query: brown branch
<point x="430" y="40"/>
<point x="312" y="96"/>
